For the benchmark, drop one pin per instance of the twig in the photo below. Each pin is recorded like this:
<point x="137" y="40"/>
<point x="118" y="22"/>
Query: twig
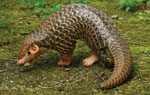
<point x="100" y="75"/>
<point x="39" y="86"/>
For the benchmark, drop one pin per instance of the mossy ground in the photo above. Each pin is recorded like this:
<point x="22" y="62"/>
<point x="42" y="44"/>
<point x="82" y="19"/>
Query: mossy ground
<point x="45" y="77"/>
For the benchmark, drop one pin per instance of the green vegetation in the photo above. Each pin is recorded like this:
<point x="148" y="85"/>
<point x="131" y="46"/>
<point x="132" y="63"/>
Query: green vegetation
<point x="45" y="77"/>
<point x="129" y="4"/>
<point x="80" y="1"/>
<point x="41" y="7"/>
<point x="2" y="24"/>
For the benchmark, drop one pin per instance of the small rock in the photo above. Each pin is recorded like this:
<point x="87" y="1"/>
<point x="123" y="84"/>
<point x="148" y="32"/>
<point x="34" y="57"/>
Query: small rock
<point x="11" y="82"/>
<point x="120" y="18"/>
<point x="26" y="64"/>
<point x="7" y="78"/>
<point x="41" y="83"/>
<point x="95" y="90"/>
<point x="62" y="81"/>
<point x="21" y="22"/>
<point x="114" y="17"/>
<point x="67" y="69"/>
<point x="7" y="64"/>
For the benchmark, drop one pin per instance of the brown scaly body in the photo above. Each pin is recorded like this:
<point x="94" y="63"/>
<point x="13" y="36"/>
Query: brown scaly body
<point x="78" y="21"/>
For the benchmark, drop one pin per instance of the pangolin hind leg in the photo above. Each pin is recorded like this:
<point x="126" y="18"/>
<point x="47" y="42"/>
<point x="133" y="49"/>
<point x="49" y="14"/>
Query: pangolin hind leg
<point x="102" y="56"/>
<point x="90" y="60"/>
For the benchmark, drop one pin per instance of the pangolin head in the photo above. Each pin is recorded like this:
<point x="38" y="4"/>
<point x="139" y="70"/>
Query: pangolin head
<point x="28" y="52"/>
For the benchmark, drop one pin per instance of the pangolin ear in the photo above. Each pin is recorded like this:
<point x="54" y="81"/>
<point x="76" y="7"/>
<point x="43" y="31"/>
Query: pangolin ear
<point x="34" y="49"/>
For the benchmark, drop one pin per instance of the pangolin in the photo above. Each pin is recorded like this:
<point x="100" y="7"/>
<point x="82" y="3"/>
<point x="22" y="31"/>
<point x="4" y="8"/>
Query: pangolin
<point x="80" y="22"/>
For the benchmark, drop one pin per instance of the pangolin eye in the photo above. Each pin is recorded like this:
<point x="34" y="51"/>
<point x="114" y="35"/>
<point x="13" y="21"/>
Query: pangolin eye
<point x="28" y="52"/>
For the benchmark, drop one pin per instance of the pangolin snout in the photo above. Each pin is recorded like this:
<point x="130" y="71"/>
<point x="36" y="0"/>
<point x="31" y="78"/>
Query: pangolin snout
<point x="19" y="63"/>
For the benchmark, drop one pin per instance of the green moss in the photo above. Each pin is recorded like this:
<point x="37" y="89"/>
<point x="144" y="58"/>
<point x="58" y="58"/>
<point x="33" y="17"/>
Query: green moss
<point x="45" y="77"/>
